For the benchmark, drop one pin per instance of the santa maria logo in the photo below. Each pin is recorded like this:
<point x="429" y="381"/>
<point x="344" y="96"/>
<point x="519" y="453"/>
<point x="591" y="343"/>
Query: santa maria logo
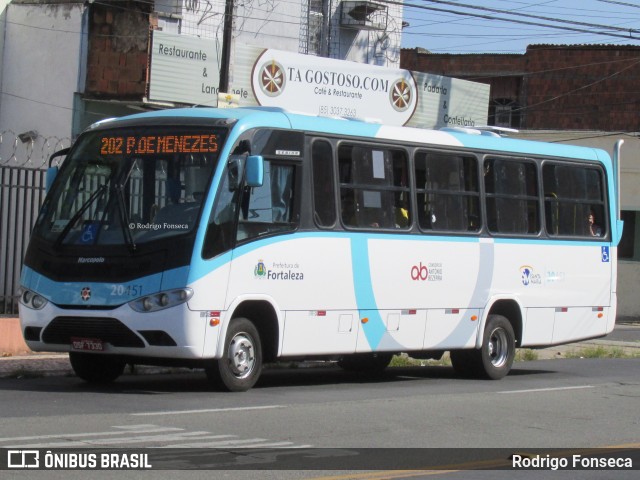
<point x="529" y="276"/>
<point x="272" y="78"/>
<point x="278" y="271"/>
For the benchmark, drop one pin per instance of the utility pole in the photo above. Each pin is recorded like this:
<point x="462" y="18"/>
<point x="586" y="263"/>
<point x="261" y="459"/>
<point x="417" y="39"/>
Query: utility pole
<point x="227" y="33"/>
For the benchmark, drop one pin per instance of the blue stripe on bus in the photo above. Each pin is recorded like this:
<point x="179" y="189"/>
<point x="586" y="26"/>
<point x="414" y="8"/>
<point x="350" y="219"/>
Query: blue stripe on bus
<point x="201" y="267"/>
<point x="374" y="328"/>
<point x="561" y="243"/>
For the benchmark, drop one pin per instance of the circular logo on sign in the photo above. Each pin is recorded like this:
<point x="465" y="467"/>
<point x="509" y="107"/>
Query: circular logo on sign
<point x="272" y="78"/>
<point x="85" y="293"/>
<point x="401" y="95"/>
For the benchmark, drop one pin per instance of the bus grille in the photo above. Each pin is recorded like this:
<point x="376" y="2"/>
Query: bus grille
<point x="109" y="330"/>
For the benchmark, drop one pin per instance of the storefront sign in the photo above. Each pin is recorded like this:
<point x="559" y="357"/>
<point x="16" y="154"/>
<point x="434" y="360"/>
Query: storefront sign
<point x="184" y="69"/>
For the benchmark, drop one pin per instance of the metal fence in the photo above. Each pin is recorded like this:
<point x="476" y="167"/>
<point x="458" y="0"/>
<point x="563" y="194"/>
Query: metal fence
<point x="21" y="194"/>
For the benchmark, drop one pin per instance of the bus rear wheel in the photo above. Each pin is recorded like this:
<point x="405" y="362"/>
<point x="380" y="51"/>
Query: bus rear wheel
<point x="95" y="368"/>
<point x="494" y="359"/>
<point x="498" y="348"/>
<point x="241" y="364"/>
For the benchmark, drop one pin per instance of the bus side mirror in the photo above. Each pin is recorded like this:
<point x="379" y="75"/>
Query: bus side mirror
<point x="254" y="174"/>
<point x="50" y="176"/>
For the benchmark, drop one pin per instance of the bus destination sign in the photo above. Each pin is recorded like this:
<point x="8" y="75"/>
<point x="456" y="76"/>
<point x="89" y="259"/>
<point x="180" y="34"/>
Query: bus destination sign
<point x="158" y="144"/>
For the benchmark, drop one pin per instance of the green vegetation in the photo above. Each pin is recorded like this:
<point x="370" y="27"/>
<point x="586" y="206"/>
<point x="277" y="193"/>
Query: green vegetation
<point x="599" y="352"/>
<point x="403" y="360"/>
<point x="526" y="355"/>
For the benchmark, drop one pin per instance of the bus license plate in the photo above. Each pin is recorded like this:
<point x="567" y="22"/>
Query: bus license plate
<point x="87" y="344"/>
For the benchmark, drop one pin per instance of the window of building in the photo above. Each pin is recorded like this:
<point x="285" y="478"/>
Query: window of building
<point x="574" y="200"/>
<point x="374" y="187"/>
<point x="447" y="192"/>
<point x="504" y="112"/>
<point x="316" y="20"/>
<point x="626" y="249"/>
<point x="511" y="187"/>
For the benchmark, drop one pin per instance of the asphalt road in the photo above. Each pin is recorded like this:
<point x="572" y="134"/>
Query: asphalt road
<point x="565" y="404"/>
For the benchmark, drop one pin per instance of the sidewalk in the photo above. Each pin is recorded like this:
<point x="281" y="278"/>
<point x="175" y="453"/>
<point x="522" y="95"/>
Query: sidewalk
<point x="57" y="364"/>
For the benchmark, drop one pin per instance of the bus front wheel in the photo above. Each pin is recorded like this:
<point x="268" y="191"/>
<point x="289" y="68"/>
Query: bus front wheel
<point x="241" y="364"/>
<point x="96" y="368"/>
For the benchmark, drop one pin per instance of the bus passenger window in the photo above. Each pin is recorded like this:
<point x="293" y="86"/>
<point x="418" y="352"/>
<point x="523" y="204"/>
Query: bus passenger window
<point x="574" y="200"/>
<point x="447" y="192"/>
<point x="511" y="187"/>
<point x="374" y="187"/>
<point x="324" y="202"/>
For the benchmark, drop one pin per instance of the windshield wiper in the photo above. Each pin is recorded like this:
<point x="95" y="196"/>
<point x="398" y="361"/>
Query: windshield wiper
<point x="122" y="206"/>
<point x="76" y="216"/>
<point x="124" y="217"/>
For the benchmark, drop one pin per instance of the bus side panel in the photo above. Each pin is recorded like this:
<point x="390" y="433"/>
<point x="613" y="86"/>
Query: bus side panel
<point x="319" y="332"/>
<point x="578" y="323"/>
<point x="451" y="328"/>
<point x="391" y="330"/>
<point x="564" y="287"/>
<point x="209" y="297"/>
<point x="310" y="279"/>
<point x="538" y="327"/>
<point x="442" y="278"/>
<point x="425" y="272"/>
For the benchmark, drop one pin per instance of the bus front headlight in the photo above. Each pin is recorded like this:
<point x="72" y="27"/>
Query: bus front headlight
<point x="32" y="300"/>
<point x="161" y="300"/>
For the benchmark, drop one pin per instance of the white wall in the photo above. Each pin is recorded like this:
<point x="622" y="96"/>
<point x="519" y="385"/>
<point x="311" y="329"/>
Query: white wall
<point x="40" y="74"/>
<point x="375" y="47"/>
<point x="282" y="24"/>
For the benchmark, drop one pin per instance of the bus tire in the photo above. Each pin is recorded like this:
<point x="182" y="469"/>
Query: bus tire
<point x="95" y="368"/>
<point x="365" y="362"/>
<point x="241" y="364"/>
<point x="498" y="348"/>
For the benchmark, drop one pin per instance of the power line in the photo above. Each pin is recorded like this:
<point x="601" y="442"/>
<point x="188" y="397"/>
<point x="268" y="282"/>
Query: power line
<point x="625" y="4"/>
<point x="538" y="17"/>
<point x="510" y="20"/>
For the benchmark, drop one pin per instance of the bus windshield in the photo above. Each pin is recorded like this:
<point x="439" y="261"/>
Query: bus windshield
<point x="130" y="186"/>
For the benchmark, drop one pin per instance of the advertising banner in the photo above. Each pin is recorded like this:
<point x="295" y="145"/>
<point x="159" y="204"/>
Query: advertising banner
<point x="327" y="87"/>
<point x="185" y="70"/>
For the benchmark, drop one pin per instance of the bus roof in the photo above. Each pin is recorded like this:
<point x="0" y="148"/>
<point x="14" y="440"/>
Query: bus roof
<point x="251" y="117"/>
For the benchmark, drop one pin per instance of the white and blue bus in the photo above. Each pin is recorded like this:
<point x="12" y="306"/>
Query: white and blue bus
<point x="226" y="238"/>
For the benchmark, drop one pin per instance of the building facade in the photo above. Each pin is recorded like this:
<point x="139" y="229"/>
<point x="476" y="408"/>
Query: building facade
<point x="579" y="94"/>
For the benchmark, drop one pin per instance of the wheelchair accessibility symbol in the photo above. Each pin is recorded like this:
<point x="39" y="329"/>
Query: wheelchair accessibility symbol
<point x="89" y="234"/>
<point x="605" y="254"/>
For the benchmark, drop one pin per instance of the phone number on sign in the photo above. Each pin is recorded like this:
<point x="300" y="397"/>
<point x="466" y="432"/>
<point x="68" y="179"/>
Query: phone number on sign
<point x="329" y="110"/>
